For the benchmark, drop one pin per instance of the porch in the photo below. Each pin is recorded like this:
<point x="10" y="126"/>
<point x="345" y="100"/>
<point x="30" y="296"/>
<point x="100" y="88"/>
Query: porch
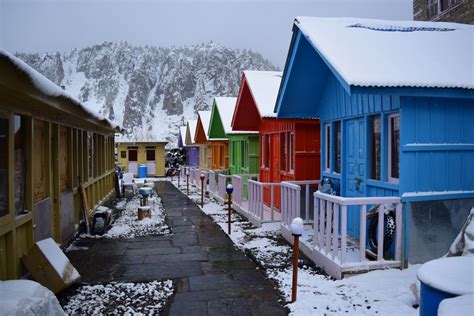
<point x="336" y="232"/>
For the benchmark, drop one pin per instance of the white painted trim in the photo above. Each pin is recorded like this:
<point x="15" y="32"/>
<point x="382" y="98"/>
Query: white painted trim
<point x="389" y="150"/>
<point x="327" y="147"/>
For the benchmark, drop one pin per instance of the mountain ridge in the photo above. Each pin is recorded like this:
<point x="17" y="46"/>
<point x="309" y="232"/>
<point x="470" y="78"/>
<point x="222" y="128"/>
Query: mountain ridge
<point x="148" y="90"/>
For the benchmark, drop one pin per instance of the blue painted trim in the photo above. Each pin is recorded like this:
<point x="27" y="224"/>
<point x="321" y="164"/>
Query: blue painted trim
<point x="288" y="68"/>
<point x="405" y="233"/>
<point x="416" y="91"/>
<point x="332" y="175"/>
<point x="384" y="185"/>
<point x="440" y="196"/>
<point x="437" y="147"/>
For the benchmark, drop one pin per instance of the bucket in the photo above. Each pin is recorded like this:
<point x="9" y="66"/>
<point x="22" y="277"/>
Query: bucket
<point x="442" y="279"/>
<point x="142" y="171"/>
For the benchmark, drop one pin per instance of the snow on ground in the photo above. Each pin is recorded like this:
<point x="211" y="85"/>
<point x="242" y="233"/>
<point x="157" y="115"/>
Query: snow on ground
<point x="25" y="297"/>
<point x="120" y="298"/>
<point x="383" y="292"/>
<point x="127" y="225"/>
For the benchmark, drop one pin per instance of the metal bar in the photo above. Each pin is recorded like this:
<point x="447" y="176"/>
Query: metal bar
<point x="363" y="231"/>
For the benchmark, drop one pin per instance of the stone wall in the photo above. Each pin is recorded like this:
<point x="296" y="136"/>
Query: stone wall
<point x="461" y="13"/>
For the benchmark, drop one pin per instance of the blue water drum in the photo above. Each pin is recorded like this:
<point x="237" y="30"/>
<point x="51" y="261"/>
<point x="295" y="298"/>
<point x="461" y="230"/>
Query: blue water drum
<point x="444" y="278"/>
<point x="142" y="171"/>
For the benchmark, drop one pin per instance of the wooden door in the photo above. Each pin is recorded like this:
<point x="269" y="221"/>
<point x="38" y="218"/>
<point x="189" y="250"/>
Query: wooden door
<point x="355" y="165"/>
<point x="63" y="153"/>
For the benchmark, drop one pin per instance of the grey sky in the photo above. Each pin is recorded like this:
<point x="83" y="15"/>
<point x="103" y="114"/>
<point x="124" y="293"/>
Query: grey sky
<point x="261" y="25"/>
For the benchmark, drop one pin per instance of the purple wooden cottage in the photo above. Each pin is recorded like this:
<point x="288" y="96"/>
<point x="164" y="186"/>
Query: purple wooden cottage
<point x="191" y="148"/>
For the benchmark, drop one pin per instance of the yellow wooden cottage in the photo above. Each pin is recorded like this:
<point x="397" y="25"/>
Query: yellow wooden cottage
<point x="48" y="143"/>
<point x="151" y="154"/>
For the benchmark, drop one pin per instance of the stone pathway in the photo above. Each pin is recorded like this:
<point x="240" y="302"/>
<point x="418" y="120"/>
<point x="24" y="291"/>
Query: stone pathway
<point x="211" y="276"/>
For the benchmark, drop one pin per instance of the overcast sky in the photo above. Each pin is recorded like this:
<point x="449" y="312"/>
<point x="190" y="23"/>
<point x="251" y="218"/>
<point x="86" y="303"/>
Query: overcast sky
<point x="261" y="25"/>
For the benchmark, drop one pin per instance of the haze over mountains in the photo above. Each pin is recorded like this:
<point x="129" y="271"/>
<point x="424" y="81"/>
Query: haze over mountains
<point x="150" y="91"/>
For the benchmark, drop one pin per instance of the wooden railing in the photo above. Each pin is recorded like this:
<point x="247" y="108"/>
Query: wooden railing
<point x="256" y="203"/>
<point x="212" y="183"/>
<point x="222" y="181"/>
<point x="291" y="200"/>
<point x="240" y="184"/>
<point x="330" y="227"/>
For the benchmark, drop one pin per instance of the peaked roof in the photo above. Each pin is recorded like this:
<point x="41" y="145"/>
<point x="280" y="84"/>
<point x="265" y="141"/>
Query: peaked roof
<point x="264" y="87"/>
<point x="190" y="131"/>
<point x="205" y="119"/>
<point x="221" y="117"/>
<point x="379" y="53"/>
<point x="182" y="136"/>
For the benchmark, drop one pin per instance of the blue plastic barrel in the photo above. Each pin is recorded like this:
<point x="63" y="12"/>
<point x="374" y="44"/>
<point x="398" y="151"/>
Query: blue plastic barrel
<point x="142" y="171"/>
<point x="444" y="278"/>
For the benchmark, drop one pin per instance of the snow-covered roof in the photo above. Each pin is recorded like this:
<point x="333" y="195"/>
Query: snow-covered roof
<point x="264" y="86"/>
<point x="383" y="53"/>
<point x="50" y="89"/>
<point x="182" y="133"/>
<point x="192" y="129"/>
<point x="226" y="107"/>
<point x="205" y="120"/>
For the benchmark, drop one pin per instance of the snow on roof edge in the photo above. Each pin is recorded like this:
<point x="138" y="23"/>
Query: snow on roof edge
<point x="50" y="89"/>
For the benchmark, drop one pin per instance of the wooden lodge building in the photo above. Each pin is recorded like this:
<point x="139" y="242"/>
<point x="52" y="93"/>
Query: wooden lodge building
<point x="200" y="138"/>
<point x="396" y="123"/>
<point x="289" y="148"/>
<point x="149" y="153"/>
<point x="219" y="127"/>
<point x="48" y="141"/>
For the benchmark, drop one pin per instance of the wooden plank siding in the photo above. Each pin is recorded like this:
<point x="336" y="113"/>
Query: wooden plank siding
<point x="55" y="155"/>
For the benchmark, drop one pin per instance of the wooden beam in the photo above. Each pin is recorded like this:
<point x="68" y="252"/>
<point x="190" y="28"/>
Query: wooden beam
<point x="55" y="192"/>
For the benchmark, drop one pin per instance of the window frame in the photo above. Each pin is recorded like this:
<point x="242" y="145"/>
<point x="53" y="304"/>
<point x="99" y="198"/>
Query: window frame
<point x="291" y="149"/>
<point x="389" y="149"/>
<point x="283" y="152"/>
<point x="327" y="147"/>
<point x="336" y="147"/>
<point x="372" y="150"/>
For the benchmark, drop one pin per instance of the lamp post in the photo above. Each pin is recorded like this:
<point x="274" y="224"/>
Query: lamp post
<point x="229" y="190"/>
<point x="187" y="181"/>
<point x="297" y="228"/>
<point x="202" y="177"/>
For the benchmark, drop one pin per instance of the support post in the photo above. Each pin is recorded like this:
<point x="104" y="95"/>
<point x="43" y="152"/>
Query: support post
<point x="202" y="177"/>
<point x="296" y="244"/>
<point x="229" y="190"/>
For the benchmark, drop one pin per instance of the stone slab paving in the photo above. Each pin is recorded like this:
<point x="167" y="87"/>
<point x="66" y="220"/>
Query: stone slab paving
<point x="211" y="276"/>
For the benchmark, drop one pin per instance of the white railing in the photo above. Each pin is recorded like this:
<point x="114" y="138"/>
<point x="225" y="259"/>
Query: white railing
<point x="222" y="181"/>
<point x="291" y="200"/>
<point x="330" y="228"/>
<point x="212" y="183"/>
<point x="240" y="184"/>
<point x="256" y="201"/>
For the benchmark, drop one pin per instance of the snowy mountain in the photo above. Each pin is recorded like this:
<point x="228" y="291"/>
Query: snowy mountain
<point x="150" y="91"/>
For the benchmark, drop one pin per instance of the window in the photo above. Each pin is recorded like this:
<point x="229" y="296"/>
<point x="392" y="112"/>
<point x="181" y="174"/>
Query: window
<point x="150" y="154"/>
<point x="123" y="154"/>
<point x="266" y="151"/>
<point x="90" y="151"/>
<point x="283" y="152"/>
<point x="337" y="146"/>
<point x="291" y="151"/>
<point x="221" y="156"/>
<point x="375" y="146"/>
<point x="3" y="167"/>
<point x="393" y="147"/>
<point x="327" y="147"/>
<point x="20" y="174"/>
<point x="132" y="154"/>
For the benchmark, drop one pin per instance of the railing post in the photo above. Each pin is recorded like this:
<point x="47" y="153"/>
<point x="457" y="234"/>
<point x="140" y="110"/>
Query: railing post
<point x="316" y="223"/>
<point x="272" y="189"/>
<point x="328" y="227"/>
<point x="307" y="202"/>
<point x="380" y="233"/>
<point x="343" y="233"/>
<point x="398" y="237"/>
<point x="335" y="229"/>
<point x="363" y="231"/>
<point x="322" y="222"/>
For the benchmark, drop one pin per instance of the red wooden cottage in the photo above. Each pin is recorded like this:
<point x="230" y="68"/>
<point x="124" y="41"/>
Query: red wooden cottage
<point x="289" y="148"/>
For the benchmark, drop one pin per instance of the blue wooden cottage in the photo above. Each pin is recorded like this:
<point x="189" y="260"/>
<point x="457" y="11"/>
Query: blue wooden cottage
<point x="396" y="104"/>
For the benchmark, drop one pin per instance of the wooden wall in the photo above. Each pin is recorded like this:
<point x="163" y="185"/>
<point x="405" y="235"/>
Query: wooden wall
<point x="55" y="156"/>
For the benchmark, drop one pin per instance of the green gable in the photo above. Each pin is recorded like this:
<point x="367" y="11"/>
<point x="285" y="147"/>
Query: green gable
<point x="216" y="128"/>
